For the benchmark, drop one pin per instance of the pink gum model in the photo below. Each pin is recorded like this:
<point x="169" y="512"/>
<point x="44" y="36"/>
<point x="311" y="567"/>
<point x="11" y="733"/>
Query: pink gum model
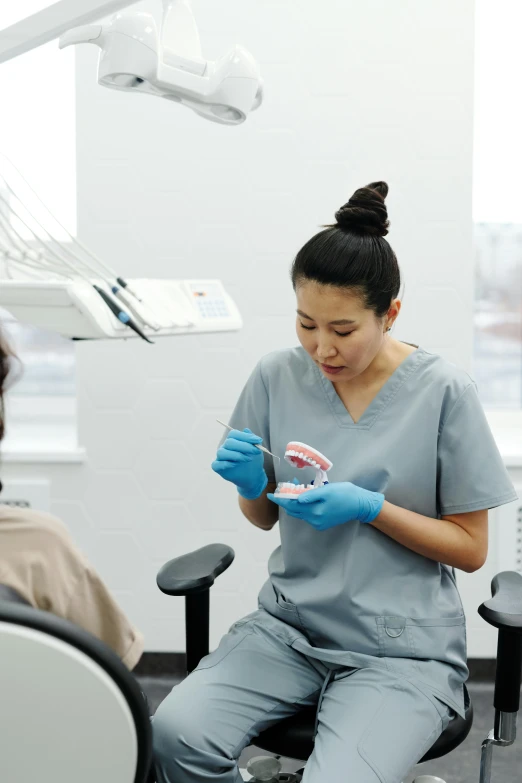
<point x="292" y="490"/>
<point x="302" y="456"/>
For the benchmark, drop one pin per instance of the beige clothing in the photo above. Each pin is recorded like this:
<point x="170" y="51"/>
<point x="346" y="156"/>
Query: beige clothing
<point x="40" y="561"/>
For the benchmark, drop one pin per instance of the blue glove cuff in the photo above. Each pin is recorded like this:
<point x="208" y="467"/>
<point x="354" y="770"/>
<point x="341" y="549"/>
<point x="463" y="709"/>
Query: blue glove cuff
<point x="370" y="506"/>
<point x="251" y="493"/>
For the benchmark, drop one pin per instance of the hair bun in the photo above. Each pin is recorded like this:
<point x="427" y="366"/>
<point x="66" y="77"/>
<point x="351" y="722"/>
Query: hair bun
<point x="366" y="212"/>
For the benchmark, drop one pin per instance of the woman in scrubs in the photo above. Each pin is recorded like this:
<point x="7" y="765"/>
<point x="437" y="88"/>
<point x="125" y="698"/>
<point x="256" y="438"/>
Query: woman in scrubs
<point x="360" y="615"/>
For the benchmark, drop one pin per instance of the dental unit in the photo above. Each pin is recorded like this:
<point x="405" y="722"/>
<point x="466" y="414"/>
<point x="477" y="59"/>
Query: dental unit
<point x="300" y="455"/>
<point x="48" y="278"/>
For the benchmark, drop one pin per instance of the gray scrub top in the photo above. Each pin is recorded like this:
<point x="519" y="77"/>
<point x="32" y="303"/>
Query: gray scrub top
<point x="350" y="595"/>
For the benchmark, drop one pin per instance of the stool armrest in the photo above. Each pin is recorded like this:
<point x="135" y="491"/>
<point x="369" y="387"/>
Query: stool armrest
<point x="195" y="571"/>
<point x="504" y="611"/>
<point x="193" y="575"/>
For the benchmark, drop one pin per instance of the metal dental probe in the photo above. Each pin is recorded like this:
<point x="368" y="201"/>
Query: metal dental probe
<point x="255" y="444"/>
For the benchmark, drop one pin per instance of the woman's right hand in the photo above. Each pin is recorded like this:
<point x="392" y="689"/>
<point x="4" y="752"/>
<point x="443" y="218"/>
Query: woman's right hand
<point x="239" y="461"/>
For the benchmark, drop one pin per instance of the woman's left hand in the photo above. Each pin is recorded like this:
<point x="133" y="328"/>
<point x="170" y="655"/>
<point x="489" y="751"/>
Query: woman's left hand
<point x="332" y="505"/>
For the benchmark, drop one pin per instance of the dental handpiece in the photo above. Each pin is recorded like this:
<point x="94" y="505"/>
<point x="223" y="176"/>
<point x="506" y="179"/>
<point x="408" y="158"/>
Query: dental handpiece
<point x="262" y="448"/>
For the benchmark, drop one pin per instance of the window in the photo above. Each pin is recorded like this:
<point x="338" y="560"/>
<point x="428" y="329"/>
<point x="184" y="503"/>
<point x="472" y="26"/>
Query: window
<point x="37" y="134"/>
<point x="41" y="406"/>
<point x="497" y="205"/>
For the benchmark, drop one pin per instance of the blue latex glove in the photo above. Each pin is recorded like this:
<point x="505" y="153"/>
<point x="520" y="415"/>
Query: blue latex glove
<point x="333" y="504"/>
<point x="239" y="461"/>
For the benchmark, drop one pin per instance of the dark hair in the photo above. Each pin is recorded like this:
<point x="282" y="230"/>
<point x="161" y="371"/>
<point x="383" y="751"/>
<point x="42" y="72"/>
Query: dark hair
<point x="352" y="253"/>
<point x="6" y="358"/>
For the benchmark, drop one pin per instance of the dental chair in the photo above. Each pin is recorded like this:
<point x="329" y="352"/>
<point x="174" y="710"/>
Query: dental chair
<point x="192" y="576"/>
<point x="70" y="711"/>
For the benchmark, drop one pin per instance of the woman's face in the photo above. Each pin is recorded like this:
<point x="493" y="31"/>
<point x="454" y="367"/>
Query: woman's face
<point x="340" y="335"/>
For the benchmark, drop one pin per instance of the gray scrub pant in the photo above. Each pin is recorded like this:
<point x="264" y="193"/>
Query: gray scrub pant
<point x="373" y="726"/>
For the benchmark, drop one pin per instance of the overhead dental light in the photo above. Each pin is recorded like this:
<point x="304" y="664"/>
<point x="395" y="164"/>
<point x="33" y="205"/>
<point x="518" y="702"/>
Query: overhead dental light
<point x="136" y="57"/>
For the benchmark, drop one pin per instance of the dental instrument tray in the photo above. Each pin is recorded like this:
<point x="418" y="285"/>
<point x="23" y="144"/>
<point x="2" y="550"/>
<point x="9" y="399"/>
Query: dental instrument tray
<point x="76" y="308"/>
<point x="50" y="279"/>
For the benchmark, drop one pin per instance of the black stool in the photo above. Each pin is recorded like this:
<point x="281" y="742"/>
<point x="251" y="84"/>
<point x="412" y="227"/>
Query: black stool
<point x="192" y="575"/>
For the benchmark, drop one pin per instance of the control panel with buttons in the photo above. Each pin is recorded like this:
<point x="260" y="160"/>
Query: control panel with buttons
<point x="209" y="300"/>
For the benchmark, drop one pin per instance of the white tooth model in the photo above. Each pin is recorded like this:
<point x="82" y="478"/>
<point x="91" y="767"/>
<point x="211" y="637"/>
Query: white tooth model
<point x="302" y="456"/>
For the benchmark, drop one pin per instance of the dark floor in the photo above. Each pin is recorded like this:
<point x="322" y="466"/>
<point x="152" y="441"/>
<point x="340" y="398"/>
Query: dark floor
<point x="461" y="766"/>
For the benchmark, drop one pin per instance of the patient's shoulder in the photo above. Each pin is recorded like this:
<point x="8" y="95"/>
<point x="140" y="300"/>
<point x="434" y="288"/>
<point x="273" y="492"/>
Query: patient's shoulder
<point x="16" y="519"/>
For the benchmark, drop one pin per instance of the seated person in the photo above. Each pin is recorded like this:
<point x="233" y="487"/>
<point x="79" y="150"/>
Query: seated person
<point x="39" y="559"/>
<point x="360" y="617"/>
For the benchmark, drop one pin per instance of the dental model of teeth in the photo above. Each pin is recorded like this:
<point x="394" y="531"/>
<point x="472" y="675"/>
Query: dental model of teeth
<point x="302" y="456"/>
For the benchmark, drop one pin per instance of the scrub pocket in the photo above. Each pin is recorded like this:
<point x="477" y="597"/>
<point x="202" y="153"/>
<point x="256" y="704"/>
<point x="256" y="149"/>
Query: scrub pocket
<point x="432" y="638"/>
<point x="287" y="611"/>
<point x="274" y="602"/>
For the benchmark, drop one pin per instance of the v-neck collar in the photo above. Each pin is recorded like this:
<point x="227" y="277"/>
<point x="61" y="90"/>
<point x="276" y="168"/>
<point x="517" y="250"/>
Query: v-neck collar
<point x="383" y="397"/>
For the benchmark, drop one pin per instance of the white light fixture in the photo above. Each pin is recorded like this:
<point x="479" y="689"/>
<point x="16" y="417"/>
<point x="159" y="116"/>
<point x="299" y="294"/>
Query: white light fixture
<point x="136" y="57"/>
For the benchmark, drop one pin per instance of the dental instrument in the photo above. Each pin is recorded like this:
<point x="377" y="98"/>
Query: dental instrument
<point x="15" y="204"/>
<point x="59" y="285"/>
<point x="17" y="250"/>
<point x="262" y="448"/>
